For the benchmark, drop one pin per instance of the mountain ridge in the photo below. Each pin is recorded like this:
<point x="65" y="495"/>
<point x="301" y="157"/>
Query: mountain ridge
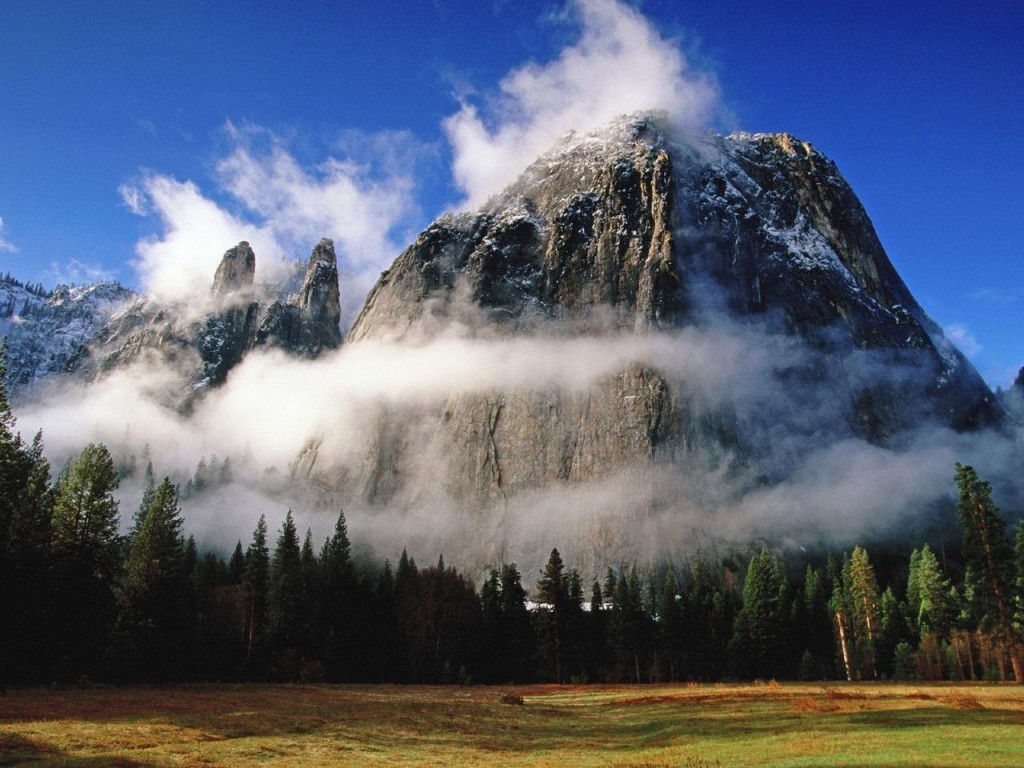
<point x="648" y="330"/>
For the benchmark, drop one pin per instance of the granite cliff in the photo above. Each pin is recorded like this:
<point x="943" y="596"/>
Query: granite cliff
<point x="202" y="349"/>
<point x="648" y="335"/>
<point x="639" y="230"/>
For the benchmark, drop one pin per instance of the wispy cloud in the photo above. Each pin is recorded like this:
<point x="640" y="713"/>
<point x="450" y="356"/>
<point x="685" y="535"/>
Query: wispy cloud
<point x="75" y="272"/>
<point x="620" y="64"/>
<point x="134" y="199"/>
<point x="262" y="192"/>
<point x="996" y="296"/>
<point x="963" y="339"/>
<point x="5" y="244"/>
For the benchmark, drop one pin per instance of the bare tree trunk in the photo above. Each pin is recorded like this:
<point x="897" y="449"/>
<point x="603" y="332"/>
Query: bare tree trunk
<point x="842" y="642"/>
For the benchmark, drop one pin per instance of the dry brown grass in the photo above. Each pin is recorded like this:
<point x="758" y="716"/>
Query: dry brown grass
<point x="627" y="726"/>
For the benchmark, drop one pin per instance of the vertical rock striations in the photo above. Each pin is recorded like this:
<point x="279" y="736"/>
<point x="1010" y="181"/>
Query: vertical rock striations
<point x="236" y="271"/>
<point x="635" y="229"/>
<point x="203" y="348"/>
<point x="309" y="323"/>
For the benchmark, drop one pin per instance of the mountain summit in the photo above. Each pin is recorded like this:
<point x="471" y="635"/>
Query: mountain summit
<point x="650" y="333"/>
<point x="202" y="347"/>
<point x="750" y="247"/>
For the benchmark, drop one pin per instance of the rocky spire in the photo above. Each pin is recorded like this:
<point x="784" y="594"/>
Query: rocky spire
<point x="319" y="299"/>
<point x="309" y="323"/>
<point x="236" y="271"/>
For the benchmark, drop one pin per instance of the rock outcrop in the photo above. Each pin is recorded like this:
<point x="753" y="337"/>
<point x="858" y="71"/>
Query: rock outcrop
<point x="309" y="323"/>
<point x="236" y="271"/>
<point x="634" y="229"/>
<point x="44" y="332"/>
<point x="239" y="317"/>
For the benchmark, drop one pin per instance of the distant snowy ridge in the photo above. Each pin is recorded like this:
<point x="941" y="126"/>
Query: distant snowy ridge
<point x="45" y="333"/>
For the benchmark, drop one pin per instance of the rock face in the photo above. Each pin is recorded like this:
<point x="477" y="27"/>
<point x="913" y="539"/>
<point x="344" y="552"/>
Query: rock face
<point x="589" y="230"/>
<point x="45" y="332"/>
<point x="203" y="350"/>
<point x="310" y="323"/>
<point x="1013" y="399"/>
<point x="633" y="229"/>
<point x="236" y="271"/>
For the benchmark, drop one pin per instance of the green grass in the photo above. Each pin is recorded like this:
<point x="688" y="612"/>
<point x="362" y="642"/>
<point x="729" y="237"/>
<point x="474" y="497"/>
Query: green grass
<point x="618" y="726"/>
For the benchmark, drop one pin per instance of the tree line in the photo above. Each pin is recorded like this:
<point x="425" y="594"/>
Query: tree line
<point x="80" y="601"/>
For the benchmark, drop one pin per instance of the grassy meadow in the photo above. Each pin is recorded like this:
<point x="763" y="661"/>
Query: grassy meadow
<point x="625" y="726"/>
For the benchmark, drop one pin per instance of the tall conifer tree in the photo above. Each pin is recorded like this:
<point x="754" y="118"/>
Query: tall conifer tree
<point x="759" y="632"/>
<point x="990" y="563"/>
<point x="154" y="585"/>
<point x="553" y="591"/>
<point x="285" y="588"/>
<point x="87" y="552"/>
<point x="255" y="583"/>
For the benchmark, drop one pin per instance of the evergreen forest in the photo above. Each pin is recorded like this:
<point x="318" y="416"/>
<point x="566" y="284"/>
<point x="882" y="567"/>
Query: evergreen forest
<point x="82" y="602"/>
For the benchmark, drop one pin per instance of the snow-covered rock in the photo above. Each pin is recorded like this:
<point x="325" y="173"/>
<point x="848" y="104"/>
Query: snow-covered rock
<point x="47" y="332"/>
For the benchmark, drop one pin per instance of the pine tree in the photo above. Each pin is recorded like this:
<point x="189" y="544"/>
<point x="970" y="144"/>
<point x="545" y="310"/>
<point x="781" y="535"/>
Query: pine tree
<point x="493" y="628"/>
<point x="842" y="620"/>
<point x="517" y="642"/>
<point x="759" y="635"/>
<point x="628" y="627"/>
<point x="154" y="586"/>
<point x="553" y="591"/>
<point x="26" y="587"/>
<point x="12" y="458"/>
<point x="814" y="622"/>
<point x="285" y="588"/>
<point x="574" y="630"/>
<point x="255" y="584"/>
<point x="236" y="565"/>
<point x="893" y="630"/>
<point x="338" y="591"/>
<point x="863" y="600"/>
<point x="710" y="609"/>
<point x="85" y="516"/>
<point x="87" y="557"/>
<point x="990" y="563"/>
<point x="148" y="489"/>
<point x="595" y="634"/>
<point x="311" y="630"/>
<point x="928" y="594"/>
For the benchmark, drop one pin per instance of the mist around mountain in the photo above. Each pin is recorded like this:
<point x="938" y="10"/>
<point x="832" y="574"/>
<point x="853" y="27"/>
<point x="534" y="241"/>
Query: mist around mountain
<point x="652" y="343"/>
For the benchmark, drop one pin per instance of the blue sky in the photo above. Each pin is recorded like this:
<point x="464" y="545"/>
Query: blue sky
<point x="139" y="140"/>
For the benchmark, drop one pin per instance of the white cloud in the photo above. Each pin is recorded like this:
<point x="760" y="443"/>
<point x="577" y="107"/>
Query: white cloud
<point x="264" y="194"/>
<point x="963" y="339"/>
<point x="75" y="272"/>
<point x="5" y="244"/>
<point x="178" y="265"/>
<point x="621" y="64"/>
<point x="338" y="198"/>
<point x="134" y="199"/>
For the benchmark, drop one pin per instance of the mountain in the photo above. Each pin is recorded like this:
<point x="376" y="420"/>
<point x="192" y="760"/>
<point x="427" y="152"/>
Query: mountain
<point x="46" y="331"/>
<point x="203" y="347"/>
<point x="650" y="337"/>
<point x="1012" y="399"/>
<point x="637" y="231"/>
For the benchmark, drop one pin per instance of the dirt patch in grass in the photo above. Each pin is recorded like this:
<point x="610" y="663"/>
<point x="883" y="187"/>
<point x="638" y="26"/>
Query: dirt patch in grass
<point x="808" y="704"/>
<point x="644" y="700"/>
<point x="590" y="726"/>
<point x="837" y="695"/>
<point x="963" y="701"/>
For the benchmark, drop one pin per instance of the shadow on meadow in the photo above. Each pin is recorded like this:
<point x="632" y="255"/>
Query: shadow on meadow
<point x="353" y="722"/>
<point x="22" y="751"/>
